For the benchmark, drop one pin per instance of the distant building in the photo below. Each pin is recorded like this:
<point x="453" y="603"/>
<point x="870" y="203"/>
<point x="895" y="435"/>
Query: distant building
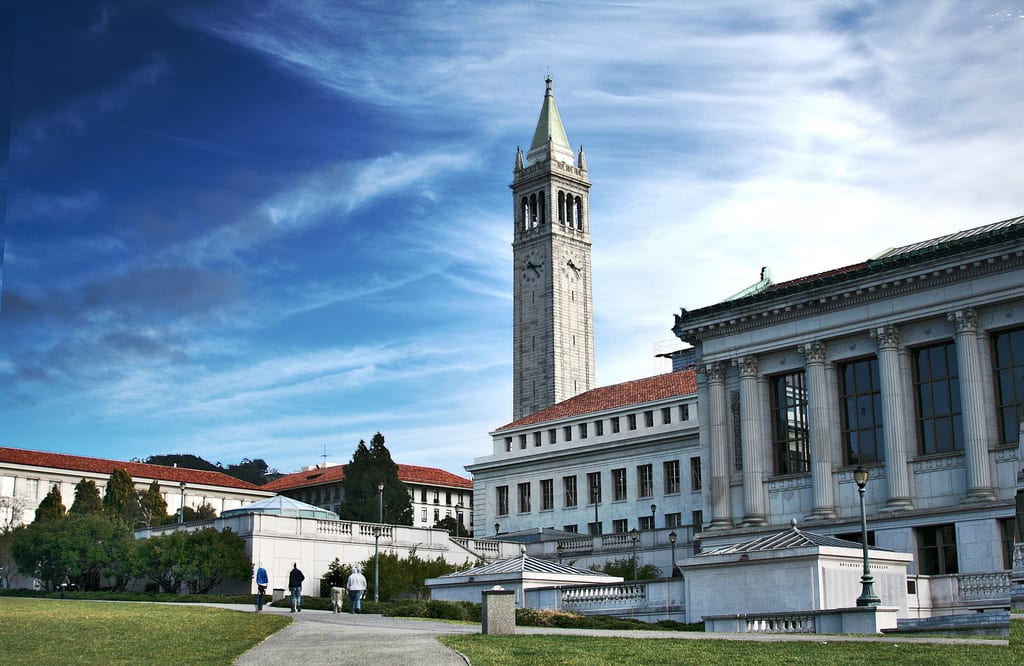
<point x="27" y="476"/>
<point x="434" y="493"/>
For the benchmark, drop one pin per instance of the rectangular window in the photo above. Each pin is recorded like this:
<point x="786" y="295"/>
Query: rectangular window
<point x="423" y="515"/>
<point x="619" y="484"/>
<point x="620" y="526"/>
<point x="437" y="497"/>
<point x="697" y="519"/>
<point x="673" y="519"/>
<point x="646" y="523"/>
<point x="569" y="490"/>
<point x="936" y="548"/>
<point x="695" y="475"/>
<point x="861" y="400"/>
<point x="645" y="480"/>
<point x="594" y="487"/>
<point x="615" y="424"/>
<point x="598" y="428"/>
<point x="632" y="421"/>
<point x="508" y="444"/>
<point x="671" y="472"/>
<point x="594" y="529"/>
<point x="524" y="497"/>
<point x="547" y="494"/>
<point x="567" y="433"/>
<point x="448" y="497"/>
<point x="501" y="500"/>
<point x="536" y="438"/>
<point x="572" y="529"/>
<point x="583" y="431"/>
<point x="937" y="383"/>
<point x="1006" y="537"/>
<point x="552" y="436"/>
<point x="30" y="489"/>
<point x="790" y="440"/>
<point x="522" y="441"/>
<point x="423" y="495"/>
<point x="666" y="415"/>
<point x="649" y="419"/>
<point x="684" y="412"/>
<point x="437" y="515"/>
<point x="1009" y="362"/>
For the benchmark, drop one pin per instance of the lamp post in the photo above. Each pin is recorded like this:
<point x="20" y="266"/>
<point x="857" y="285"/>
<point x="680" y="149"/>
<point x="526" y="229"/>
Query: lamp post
<point x="560" y="550"/>
<point x="376" y="543"/>
<point x="672" y="536"/>
<point x="654" y="523"/>
<point x="497" y="529"/>
<point x="181" y="512"/>
<point x="634" y="535"/>
<point x="867" y="596"/>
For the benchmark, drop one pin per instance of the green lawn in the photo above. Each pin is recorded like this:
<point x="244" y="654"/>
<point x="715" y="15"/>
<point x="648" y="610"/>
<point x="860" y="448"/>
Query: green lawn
<point x="587" y="651"/>
<point x="53" y="631"/>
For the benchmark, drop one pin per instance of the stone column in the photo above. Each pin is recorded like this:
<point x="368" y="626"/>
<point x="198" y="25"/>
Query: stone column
<point x="752" y="442"/>
<point x="894" y="428"/>
<point x="979" y="477"/>
<point x="718" y="427"/>
<point x="818" y="418"/>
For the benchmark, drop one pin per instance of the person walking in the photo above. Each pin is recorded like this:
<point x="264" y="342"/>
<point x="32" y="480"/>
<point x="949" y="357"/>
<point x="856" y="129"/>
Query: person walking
<point x="295" y="579"/>
<point x="262" y="580"/>
<point x="356" y="585"/>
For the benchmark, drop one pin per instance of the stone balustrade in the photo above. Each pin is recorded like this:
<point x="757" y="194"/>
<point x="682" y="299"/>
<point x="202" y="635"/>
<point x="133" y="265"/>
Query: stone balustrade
<point x="606" y="595"/>
<point x="786" y="623"/>
<point x="993" y="585"/>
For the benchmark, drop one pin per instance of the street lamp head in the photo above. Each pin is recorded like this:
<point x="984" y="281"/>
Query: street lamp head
<point x="182" y="485"/>
<point x="672" y="536"/>
<point x="497" y="528"/>
<point x="634" y="534"/>
<point x="560" y="550"/>
<point x="380" y="487"/>
<point x="376" y="532"/>
<point x="860" y="476"/>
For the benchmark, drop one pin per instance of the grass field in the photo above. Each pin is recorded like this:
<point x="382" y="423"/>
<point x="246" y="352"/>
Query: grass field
<point x="52" y="631"/>
<point x="588" y="651"/>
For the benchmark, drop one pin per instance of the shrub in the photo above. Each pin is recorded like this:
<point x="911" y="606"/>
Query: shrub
<point x="437" y="610"/>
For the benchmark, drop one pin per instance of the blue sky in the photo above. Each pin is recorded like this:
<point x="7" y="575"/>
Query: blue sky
<point x="266" y="229"/>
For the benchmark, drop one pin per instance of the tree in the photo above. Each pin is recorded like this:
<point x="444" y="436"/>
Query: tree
<point x="121" y="499"/>
<point x="368" y="468"/>
<point x="87" y="498"/>
<point x="87" y="548"/>
<point x="336" y="576"/>
<point x="204" y="511"/>
<point x="624" y="568"/>
<point x="12" y="511"/>
<point x="212" y="556"/>
<point x="253" y="471"/>
<point x="160" y="558"/>
<point x="153" y="505"/>
<point x="454" y="527"/>
<point x="185" y="460"/>
<point x="405" y="576"/>
<point x="51" y="508"/>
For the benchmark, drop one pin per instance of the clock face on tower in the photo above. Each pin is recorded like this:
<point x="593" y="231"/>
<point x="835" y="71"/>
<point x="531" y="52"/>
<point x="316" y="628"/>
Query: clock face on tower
<point x="572" y="263"/>
<point x="533" y="266"/>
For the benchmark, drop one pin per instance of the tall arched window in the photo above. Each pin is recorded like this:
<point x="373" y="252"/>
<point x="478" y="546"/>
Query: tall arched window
<point x="524" y="208"/>
<point x="533" y="211"/>
<point x="561" y="206"/>
<point x="541" y="212"/>
<point x="579" y="213"/>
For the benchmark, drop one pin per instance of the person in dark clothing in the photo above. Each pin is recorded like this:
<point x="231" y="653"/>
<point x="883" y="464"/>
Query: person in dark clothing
<point x="295" y="579"/>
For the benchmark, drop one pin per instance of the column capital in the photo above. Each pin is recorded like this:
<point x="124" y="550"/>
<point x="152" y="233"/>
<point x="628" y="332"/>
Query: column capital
<point x="966" y="321"/>
<point x="886" y="337"/>
<point x="747" y="366"/>
<point x="814" y="352"/>
<point x="715" y="372"/>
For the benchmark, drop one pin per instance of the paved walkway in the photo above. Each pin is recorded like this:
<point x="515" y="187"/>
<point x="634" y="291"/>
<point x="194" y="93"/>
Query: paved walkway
<point x="323" y="637"/>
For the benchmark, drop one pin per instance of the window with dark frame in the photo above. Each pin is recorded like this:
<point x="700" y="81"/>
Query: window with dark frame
<point x="615" y="424"/>
<point x="620" y="526"/>
<point x="567" y="433"/>
<point x="673" y="519"/>
<point x="524" y="497"/>
<point x="666" y="415"/>
<point x="501" y="501"/>
<point x="861" y="400"/>
<point x="536" y="438"/>
<point x="598" y="428"/>
<point x="671" y="473"/>
<point x="619" y="484"/>
<point x="583" y="430"/>
<point x="522" y="441"/>
<point x="696" y="483"/>
<point x="937" y="387"/>
<point x="645" y="523"/>
<point x="569" y="490"/>
<point x="936" y="548"/>
<point x="547" y="494"/>
<point x="649" y="419"/>
<point x="790" y="434"/>
<point x="684" y="412"/>
<point x="594" y="487"/>
<point x="1008" y="356"/>
<point x="572" y="529"/>
<point x="645" y="480"/>
<point x="697" y="518"/>
<point x="594" y="529"/>
<point x="552" y="436"/>
<point x="632" y="421"/>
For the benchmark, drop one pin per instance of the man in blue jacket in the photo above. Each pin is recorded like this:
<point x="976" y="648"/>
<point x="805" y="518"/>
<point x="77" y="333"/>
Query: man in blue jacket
<point x="262" y="580"/>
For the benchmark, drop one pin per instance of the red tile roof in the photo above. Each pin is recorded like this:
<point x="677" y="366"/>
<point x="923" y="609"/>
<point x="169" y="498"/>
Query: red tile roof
<point x="636" y="392"/>
<point x="135" y="470"/>
<point x="406" y="473"/>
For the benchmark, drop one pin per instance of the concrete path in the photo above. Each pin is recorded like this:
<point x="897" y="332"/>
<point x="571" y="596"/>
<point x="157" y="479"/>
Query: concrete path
<point x="323" y="637"/>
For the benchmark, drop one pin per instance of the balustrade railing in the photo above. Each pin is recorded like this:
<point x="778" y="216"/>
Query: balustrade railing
<point x="796" y="623"/>
<point x="604" y="594"/>
<point x="982" y="586"/>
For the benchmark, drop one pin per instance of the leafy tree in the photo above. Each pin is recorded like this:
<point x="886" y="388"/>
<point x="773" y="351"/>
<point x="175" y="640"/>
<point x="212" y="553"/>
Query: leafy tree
<point x="153" y="505"/>
<point x="161" y="559"/>
<point x="88" y="548"/>
<point x="405" y="576"/>
<point x="253" y="471"/>
<point x="454" y="527"/>
<point x="368" y="468"/>
<point x="12" y="511"/>
<point x="185" y="460"/>
<point x="87" y="498"/>
<point x="51" y="508"/>
<point x="121" y="499"/>
<point x="624" y="568"/>
<point x="212" y="556"/>
<point x="204" y="511"/>
<point x="336" y="576"/>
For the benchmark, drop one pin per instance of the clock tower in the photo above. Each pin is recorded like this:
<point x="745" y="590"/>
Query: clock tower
<point x="553" y="329"/>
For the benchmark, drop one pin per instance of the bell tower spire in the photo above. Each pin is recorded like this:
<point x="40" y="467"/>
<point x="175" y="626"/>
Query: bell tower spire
<point x="553" y="327"/>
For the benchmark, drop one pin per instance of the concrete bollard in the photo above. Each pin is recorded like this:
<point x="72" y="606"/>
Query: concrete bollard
<point x="498" y="612"/>
<point x="278" y="593"/>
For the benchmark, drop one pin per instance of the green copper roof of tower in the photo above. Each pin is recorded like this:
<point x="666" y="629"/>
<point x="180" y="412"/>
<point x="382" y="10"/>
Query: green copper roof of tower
<point x="549" y="126"/>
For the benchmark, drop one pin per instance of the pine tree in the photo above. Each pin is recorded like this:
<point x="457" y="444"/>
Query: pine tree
<point x="121" y="499"/>
<point x="51" y="509"/>
<point x="154" y="506"/>
<point x="368" y="468"/>
<point x="87" y="499"/>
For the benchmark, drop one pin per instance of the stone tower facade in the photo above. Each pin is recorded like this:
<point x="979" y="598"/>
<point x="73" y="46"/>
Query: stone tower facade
<point x="553" y="330"/>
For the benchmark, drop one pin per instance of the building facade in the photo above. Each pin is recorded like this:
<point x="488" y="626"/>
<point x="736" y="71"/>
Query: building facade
<point x="553" y="319"/>
<point x="910" y="364"/>
<point x="435" y="494"/>
<point x="27" y="476"/>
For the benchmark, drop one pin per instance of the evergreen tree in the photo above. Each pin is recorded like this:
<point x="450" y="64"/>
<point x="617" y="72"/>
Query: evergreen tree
<point x="154" y="506"/>
<point x="87" y="499"/>
<point x="51" y="509"/>
<point x="368" y="468"/>
<point x="121" y="499"/>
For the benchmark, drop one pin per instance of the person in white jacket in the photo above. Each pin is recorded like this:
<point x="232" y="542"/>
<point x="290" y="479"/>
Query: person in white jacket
<point x="356" y="586"/>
